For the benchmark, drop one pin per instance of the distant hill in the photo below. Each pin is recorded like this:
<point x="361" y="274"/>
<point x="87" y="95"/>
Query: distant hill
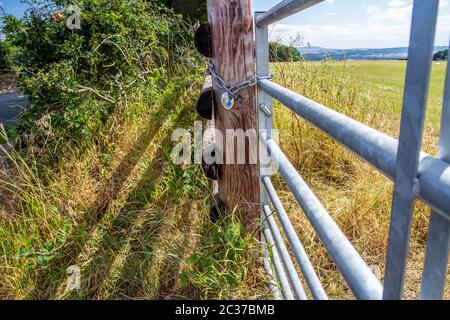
<point x="318" y="53"/>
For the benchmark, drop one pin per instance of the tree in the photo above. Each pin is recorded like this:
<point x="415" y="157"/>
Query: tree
<point x="282" y="53"/>
<point x="441" y="55"/>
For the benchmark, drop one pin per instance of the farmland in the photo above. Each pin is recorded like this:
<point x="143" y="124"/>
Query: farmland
<point x="357" y="196"/>
<point x="384" y="81"/>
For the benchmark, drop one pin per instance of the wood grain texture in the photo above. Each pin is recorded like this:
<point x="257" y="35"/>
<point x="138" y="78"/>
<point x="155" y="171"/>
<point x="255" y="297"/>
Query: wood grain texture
<point x="233" y="48"/>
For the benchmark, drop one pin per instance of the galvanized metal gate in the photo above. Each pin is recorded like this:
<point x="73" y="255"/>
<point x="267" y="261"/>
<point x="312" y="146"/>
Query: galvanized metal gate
<point x="415" y="173"/>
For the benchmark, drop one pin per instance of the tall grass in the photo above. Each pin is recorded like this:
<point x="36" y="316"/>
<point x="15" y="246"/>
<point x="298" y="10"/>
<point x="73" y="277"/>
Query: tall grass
<point x="89" y="182"/>
<point x="226" y="266"/>
<point x="357" y="197"/>
<point x="138" y="226"/>
<point x="135" y="224"/>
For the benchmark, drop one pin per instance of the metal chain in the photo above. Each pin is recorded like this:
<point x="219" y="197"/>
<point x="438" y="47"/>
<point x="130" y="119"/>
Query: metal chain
<point x="233" y="90"/>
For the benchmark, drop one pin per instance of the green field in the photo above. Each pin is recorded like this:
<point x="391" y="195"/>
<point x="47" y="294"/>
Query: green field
<point x="356" y="195"/>
<point x="384" y="81"/>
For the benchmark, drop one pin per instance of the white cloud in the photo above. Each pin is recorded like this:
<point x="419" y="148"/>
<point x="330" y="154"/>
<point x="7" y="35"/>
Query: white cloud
<point x="397" y="3"/>
<point x="388" y="27"/>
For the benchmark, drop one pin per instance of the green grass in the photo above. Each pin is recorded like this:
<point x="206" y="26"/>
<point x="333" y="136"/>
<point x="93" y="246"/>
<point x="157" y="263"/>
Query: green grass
<point x="384" y="81"/>
<point x="138" y="226"/>
<point x="227" y="264"/>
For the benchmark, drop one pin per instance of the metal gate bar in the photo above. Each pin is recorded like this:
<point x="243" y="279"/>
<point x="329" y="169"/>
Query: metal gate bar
<point x="416" y="174"/>
<point x="285" y="257"/>
<point x="356" y="273"/>
<point x="377" y="148"/>
<point x="436" y="258"/>
<point x="303" y="261"/>
<point x="283" y="10"/>
<point x="272" y="281"/>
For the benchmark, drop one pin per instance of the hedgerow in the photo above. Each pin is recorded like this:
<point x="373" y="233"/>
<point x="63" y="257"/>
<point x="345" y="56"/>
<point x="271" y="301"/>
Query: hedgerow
<point x="77" y="79"/>
<point x="103" y="101"/>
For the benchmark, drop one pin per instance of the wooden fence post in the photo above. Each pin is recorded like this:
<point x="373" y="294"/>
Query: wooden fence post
<point x="232" y="33"/>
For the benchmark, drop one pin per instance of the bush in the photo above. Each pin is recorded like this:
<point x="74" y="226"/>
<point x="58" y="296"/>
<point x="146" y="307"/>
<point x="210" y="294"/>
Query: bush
<point x="103" y="102"/>
<point x="223" y="268"/>
<point x="282" y="53"/>
<point x="76" y="79"/>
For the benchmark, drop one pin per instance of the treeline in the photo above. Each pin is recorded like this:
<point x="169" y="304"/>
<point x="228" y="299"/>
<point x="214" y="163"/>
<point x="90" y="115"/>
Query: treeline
<point x="441" y="55"/>
<point x="283" y="53"/>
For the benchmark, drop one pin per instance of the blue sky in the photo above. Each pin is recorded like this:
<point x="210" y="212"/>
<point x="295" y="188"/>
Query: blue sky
<point x="14" y="7"/>
<point x="355" y="23"/>
<point x="341" y="23"/>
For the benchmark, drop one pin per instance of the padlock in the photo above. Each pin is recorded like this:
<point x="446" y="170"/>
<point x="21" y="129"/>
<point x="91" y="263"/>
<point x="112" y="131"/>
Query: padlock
<point x="227" y="101"/>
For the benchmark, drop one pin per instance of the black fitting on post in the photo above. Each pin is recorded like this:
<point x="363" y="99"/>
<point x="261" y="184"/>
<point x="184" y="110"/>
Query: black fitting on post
<point x="205" y="104"/>
<point x="211" y="170"/>
<point x="203" y="40"/>
<point x="217" y="210"/>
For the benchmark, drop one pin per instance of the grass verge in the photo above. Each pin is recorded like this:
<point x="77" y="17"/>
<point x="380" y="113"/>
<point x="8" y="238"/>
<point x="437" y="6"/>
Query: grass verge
<point x="135" y="224"/>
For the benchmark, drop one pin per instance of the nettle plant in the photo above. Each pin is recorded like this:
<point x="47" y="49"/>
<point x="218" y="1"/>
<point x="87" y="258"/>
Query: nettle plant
<point x="77" y="77"/>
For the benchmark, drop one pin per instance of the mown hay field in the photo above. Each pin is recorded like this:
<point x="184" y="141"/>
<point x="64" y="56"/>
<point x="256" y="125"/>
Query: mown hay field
<point x="357" y="196"/>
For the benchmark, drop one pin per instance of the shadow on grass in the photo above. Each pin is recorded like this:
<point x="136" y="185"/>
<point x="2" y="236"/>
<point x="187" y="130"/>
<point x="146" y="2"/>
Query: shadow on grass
<point x="128" y="226"/>
<point x="132" y="259"/>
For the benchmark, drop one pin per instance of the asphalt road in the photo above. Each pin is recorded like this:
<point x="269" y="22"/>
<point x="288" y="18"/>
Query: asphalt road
<point x="11" y="104"/>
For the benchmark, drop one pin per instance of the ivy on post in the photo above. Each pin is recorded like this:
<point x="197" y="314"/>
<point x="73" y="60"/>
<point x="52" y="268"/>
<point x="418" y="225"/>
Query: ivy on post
<point x="232" y="38"/>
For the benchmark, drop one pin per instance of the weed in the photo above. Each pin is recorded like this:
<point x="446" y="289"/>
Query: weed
<point x="225" y="266"/>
